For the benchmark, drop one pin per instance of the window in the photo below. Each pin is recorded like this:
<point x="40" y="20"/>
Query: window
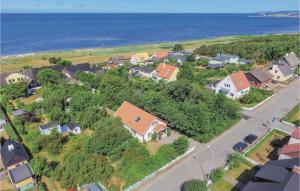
<point x="276" y="71"/>
<point x="227" y="85"/>
<point x="231" y="94"/>
<point x="149" y="135"/>
<point x="278" y="77"/>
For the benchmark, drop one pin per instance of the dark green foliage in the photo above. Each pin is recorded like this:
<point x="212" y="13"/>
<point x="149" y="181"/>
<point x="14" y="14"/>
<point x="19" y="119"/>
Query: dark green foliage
<point x="256" y="96"/>
<point x="48" y="76"/>
<point x="52" y="143"/>
<point x="14" y="90"/>
<point x="91" y="80"/>
<point x="154" y="137"/>
<point x="181" y="145"/>
<point x="216" y="174"/>
<point x="79" y="167"/>
<point x="178" y="48"/>
<point x="195" y="185"/>
<point x="59" y="61"/>
<point x="269" y="47"/>
<point x="234" y="160"/>
<point x="110" y="138"/>
<point x="40" y="166"/>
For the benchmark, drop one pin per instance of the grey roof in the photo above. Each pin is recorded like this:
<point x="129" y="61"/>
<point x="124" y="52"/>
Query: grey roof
<point x="261" y="75"/>
<point x="292" y="59"/>
<point x="13" y="153"/>
<point x="72" y="125"/>
<point x="84" y="67"/>
<point x="116" y="60"/>
<point x="90" y="187"/>
<point x="20" y="173"/>
<point x="49" y="125"/>
<point x="143" y="69"/>
<point x="272" y="173"/>
<point x="177" y="56"/>
<point x="276" y="175"/>
<point x="28" y="73"/>
<point x="214" y="66"/>
<point x="224" y="57"/>
<point x="284" y="67"/>
<point x="245" y="61"/>
<point x="18" y="112"/>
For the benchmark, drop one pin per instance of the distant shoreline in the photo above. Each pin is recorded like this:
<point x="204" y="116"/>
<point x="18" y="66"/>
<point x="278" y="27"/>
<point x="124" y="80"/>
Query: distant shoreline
<point x="41" y="53"/>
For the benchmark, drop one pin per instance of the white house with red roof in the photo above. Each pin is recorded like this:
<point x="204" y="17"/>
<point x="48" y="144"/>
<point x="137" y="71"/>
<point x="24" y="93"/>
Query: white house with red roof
<point x="167" y="72"/>
<point x="234" y="86"/>
<point x="292" y="149"/>
<point x="140" y="123"/>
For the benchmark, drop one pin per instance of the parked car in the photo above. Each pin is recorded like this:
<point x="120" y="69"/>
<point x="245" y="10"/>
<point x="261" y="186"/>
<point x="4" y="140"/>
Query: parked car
<point x="240" y="146"/>
<point x="250" y="138"/>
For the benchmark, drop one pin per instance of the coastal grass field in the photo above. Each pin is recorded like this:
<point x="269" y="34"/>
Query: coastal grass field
<point x="100" y="55"/>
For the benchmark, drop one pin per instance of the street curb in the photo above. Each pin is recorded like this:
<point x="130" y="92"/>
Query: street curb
<point x="288" y="123"/>
<point x="259" y="104"/>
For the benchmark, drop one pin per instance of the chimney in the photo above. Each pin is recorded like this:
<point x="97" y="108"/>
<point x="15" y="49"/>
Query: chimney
<point x="10" y="147"/>
<point x="296" y="169"/>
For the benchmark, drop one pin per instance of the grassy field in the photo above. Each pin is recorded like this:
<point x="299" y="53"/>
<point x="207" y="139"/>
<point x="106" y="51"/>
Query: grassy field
<point x="100" y="55"/>
<point x="266" y="150"/>
<point x="294" y="116"/>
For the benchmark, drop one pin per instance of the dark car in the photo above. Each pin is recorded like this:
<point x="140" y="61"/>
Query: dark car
<point x="250" y="138"/>
<point x="240" y="146"/>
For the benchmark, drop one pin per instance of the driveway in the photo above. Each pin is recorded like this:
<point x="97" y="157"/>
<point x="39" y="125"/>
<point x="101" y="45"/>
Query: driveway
<point x="206" y="158"/>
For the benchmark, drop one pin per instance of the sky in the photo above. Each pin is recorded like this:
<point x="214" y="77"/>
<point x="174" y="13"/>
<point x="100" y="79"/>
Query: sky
<point x="146" y="6"/>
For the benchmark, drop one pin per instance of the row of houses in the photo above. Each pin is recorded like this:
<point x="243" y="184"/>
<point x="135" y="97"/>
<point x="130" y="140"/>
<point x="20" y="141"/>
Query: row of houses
<point x="222" y="60"/>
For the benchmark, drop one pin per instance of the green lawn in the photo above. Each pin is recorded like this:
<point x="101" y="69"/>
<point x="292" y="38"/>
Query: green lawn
<point x="294" y="116"/>
<point x="11" y="132"/>
<point x="266" y="150"/>
<point x="242" y="174"/>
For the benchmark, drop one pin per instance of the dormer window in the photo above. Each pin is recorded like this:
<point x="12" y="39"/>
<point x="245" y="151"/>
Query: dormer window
<point x="10" y="147"/>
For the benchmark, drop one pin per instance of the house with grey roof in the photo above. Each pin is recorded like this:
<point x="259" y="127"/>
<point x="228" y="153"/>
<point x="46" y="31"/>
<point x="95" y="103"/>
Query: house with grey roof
<point x="70" y="127"/>
<point x="277" y="175"/>
<point x="143" y="71"/>
<point x="179" y="57"/>
<point x="259" y="78"/>
<point x="291" y="59"/>
<point x="281" y="70"/>
<point x="116" y="60"/>
<point x="221" y="60"/>
<point x="15" y="160"/>
<point x="47" y="128"/>
<point x="71" y="70"/>
<point x="28" y="76"/>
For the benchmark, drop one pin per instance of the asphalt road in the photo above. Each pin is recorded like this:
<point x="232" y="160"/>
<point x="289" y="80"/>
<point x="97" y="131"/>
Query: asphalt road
<point x="214" y="154"/>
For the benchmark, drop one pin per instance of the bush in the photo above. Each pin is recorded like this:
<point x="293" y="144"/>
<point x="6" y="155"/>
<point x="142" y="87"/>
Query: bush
<point x="168" y="132"/>
<point x="195" y="185"/>
<point x="216" y="174"/>
<point x="181" y="145"/>
<point x="234" y="160"/>
<point x="42" y="187"/>
<point x="256" y="96"/>
<point x="154" y="137"/>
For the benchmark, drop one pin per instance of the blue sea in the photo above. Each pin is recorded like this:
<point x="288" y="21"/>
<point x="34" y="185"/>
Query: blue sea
<point x="28" y="33"/>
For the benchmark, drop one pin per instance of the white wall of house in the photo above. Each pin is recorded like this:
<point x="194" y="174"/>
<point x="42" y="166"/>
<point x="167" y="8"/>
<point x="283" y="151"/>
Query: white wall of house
<point x="278" y="75"/>
<point x="76" y="130"/>
<point x="133" y="60"/>
<point x="227" y="84"/>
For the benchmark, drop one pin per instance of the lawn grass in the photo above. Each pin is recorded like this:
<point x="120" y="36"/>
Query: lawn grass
<point x="11" y="132"/>
<point x="294" y="116"/>
<point x="29" y="100"/>
<point x="152" y="146"/>
<point x="265" y="150"/>
<point x="242" y="174"/>
<point x="100" y="55"/>
<point x="222" y="185"/>
<point x="255" y="97"/>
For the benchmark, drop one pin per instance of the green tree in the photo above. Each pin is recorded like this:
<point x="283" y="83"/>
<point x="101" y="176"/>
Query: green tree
<point x="178" y="47"/>
<point x="14" y="90"/>
<point x="195" y="185"/>
<point x="54" y="60"/>
<point x="48" y="76"/>
<point x="216" y="174"/>
<point x="40" y="166"/>
<point x="181" y="145"/>
<point x="52" y="143"/>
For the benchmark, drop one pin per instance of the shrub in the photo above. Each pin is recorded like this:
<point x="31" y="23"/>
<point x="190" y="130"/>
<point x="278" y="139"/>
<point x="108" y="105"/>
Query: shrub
<point x="234" y="160"/>
<point x="216" y="174"/>
<point x="154" y="137"/>
<point x="195" y="185"/>
<point x="168" y="132"/>
<point x="256" y="96"/>
<point x="181" y="145"/>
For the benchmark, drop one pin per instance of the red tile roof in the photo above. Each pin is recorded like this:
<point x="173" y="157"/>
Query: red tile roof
<point x="296" y="133"/>
<point x="161" y="54"/>
<point x="240" y="81"/>
<point x="134" y="117"/>
<point x="291" y="149"/>
<point x="165" y="70"/>
<point x="159" y="127"/>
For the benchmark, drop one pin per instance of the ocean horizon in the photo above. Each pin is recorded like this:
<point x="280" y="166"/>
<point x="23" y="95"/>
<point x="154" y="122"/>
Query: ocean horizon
<point x="25" y="33"/>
